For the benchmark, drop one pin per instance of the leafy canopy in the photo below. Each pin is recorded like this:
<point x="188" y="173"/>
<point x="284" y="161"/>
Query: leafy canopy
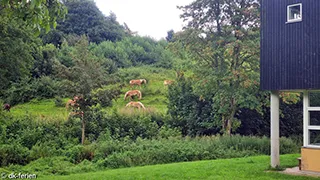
<point x="222" y="37"/>
<point x="37" y="13"/>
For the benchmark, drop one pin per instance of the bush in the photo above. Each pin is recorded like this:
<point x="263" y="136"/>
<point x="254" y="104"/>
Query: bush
<point x="42" y="150"/>
<point x="78" y="153"/>
<point x="28" y="89"/>
<point x="13" y="153"/>
<point x="105" y="95"/>
<point x="58" y="102"/>
<point x="115" y="154"/>
<point x="47" y="166"/>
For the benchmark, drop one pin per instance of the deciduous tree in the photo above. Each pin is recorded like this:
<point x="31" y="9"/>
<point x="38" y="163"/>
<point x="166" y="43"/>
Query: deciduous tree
<point x="37" y="13"/>
<point x="223" y="38"/>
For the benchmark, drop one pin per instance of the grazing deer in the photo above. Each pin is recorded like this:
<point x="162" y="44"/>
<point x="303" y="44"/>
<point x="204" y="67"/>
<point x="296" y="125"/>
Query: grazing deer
<point x="133" y="93"/>
<point x="135" y="104"/>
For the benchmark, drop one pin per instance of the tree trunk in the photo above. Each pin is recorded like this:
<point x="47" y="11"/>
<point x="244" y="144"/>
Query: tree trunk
<point x="83" y="131"/>
<point x="229" y="120"/>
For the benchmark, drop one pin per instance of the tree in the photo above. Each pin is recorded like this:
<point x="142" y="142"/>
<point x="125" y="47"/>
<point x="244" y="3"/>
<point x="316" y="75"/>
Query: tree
<point x="182" y="102"/>
<point x="54" y="37"/>
<point x="18" y="50"/>
<point x="170" y="34"/>
<point x="37" y="13"/>
<point x="89" y="78"/>
<point x="43" y="64"/>
<point x="223" y="38"/>
<point x="85" y="18"/>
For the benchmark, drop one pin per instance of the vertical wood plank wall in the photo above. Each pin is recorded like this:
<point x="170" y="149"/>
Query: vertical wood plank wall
<point x="290" y="52"/>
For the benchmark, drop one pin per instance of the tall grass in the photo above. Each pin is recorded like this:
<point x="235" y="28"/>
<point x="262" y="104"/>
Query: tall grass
<point x="115" y="154"/>
<point x="111" y="153"/>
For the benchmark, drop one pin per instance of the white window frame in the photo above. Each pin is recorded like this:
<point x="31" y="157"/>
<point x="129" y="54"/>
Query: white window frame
<point x="288" y="13"/>
<point x="306" y="120"/>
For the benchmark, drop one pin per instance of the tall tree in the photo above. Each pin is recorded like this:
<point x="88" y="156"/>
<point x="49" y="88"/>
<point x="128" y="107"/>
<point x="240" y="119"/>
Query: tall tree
<point x="88" y="76"/>
<point x="18" y="50"/>
<point x="223" y="37"/>
<point x="85" y="18"/>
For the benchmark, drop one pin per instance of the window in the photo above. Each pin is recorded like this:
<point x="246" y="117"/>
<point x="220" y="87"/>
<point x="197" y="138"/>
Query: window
<point x="311" y="117"/>
<point x="294" y="13"/>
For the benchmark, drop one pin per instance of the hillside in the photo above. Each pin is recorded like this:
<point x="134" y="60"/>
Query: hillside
<point x="153" y="95"/>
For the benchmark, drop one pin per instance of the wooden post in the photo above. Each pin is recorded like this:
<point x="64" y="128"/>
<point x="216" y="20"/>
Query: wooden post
<point x="275" y="155"/>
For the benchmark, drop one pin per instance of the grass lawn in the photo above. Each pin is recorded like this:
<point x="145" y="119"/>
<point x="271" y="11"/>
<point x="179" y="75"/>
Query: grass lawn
<point x="238" y="168"/>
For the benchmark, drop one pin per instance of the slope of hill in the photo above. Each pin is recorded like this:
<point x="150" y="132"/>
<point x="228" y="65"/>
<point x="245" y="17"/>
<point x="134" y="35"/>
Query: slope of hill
<point x="154" y="95"/>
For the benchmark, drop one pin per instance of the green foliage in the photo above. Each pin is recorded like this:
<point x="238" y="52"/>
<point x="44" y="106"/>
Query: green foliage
<point x="222" y="38"/>
<point x="181" y="105"/>
<point x="84" y="18"/>
<point x="13" y="153"/>
<point x="118" y="141"/>
<point x="18" y="48"/>
<point x="42" y="150"/>
<point x="121" y="126"/>
<point x="143" y="152"/>
<point x="27" y="89"/>
<point x="105" y="95"/>
<point x="110" y="50"/>
<point x="43" y="65"/>
<point x="78" y="153"/>
<point x="48" y="166"/>
<point x="54" y="37"/>
<point x="135" y="51"/>
<point x="189" y="112"/>
<point x="36" y="13"/>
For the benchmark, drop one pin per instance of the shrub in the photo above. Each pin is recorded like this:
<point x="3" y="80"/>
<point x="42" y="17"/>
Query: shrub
<point x="115" y="154"/>
<point x="78" y="153"/>
<point x="42" y="150"/>
<point x="47" y="166"/>
<point x="27" y="89"/>
<point x="13" y="153"/>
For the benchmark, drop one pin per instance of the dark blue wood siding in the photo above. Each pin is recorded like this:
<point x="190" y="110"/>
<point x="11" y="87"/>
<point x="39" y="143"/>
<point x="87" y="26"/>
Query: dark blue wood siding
<point x="290" y="52"/>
